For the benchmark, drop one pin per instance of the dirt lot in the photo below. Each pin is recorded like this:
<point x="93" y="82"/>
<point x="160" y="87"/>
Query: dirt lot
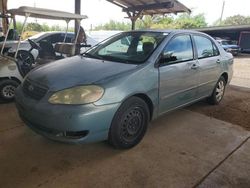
<point x="235" y="107"/>
<point x="241" y="75"/>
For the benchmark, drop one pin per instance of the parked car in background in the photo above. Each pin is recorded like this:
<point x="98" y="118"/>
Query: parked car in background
<point x="230" y="46"/>
<point x="51" y="37"/>
<point x="111" y="93"/>
<point x="12" y="35"/>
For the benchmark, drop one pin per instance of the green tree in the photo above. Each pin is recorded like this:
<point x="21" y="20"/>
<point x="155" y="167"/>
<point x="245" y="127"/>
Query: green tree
<point x="184" y="21"/>
<point x="45" y="27"/>
<point x="236" y="20"/>
<point x="34" y="27"/>
<point x="19" y="26"/>
<point x="114" y="25"/>
<point x="144" y="23"/>
<point x="163" y="22"/>
<point x="56" y="28"/>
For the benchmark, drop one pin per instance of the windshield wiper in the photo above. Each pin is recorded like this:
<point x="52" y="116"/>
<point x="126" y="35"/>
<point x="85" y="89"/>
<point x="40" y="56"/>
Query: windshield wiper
<point x="92" y="56"/>
<point x="117" y="59"/>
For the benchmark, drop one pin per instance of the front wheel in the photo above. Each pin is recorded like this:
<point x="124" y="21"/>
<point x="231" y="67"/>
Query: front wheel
<point x="7" y="89"/>
<point x="129" y="123"/>
<point x="218" y="92"/>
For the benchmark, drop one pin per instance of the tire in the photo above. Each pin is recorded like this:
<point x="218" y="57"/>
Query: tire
<point x="218" y="92"/>
<point x="129" y="124"/>
<point x="7" y="89"/>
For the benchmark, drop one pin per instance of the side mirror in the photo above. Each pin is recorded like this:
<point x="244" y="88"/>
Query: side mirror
<point x="167" y="57"/>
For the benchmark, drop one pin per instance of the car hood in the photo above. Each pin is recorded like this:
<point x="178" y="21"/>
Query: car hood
<point x="13" y="44"/>
<point x="75" y="71"/>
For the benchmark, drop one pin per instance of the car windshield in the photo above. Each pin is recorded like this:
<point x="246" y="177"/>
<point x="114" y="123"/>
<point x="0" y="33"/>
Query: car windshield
<point x="227" y="42"/>
<point x="127" y="47"/>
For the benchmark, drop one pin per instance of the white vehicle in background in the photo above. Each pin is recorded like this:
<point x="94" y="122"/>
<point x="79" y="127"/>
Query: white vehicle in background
<point x="22" y="57"/>
<point x="51" y="37"/>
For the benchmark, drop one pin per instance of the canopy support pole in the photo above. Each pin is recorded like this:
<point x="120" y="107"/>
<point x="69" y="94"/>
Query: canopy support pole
<point x="66" y="33"/>
<point x="6" y="36"/>
<point x="77" y="11"/>
<point x="19" y="41"/>
<point x="133" y="16"/>
<point x="78" y="31"/>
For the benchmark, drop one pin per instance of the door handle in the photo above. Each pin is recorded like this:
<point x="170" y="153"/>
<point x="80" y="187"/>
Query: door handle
<point x="218" y="61"/>
<point x="194" y="66"/>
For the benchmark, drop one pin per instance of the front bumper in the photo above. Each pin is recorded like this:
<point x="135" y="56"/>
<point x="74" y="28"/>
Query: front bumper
<point x="66" y="123"/>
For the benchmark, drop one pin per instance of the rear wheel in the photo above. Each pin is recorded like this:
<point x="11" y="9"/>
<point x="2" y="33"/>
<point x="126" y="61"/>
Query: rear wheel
<point x="7" y="89"/>
<point x="218" y="92"/>
<point x="129" y="123"/>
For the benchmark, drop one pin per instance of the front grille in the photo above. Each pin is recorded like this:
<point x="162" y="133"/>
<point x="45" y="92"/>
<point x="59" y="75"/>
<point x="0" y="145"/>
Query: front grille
<point x="34" y="90"/>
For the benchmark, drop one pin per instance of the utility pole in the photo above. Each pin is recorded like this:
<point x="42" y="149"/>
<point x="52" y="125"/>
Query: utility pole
<point x="222" y="11"/>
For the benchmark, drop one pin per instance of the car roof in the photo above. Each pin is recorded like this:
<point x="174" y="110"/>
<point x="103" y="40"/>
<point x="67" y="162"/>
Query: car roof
<point x="55" y="32"/>
<point x="59" y="32"/>
<point x="172" y="31"/>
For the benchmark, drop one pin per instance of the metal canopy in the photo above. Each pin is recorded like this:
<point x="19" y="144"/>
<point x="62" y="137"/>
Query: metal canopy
<point x="45" y="13"/>
<point x="138" y="8"/>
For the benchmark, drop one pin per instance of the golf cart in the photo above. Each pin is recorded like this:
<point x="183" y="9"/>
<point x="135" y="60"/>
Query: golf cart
<point x="16" y="63"/>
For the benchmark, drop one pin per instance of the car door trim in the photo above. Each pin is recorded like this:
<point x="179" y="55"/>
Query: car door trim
<point x="188" y="89"/>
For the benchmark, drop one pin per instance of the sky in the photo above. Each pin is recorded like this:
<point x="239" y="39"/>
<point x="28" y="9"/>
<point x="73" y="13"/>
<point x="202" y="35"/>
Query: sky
<point x="101" y="11"/>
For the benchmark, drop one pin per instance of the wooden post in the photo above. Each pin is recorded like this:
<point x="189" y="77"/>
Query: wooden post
<point x="133" y="24"/>
<point x="77" y="11"/>
<point x="4" y="20"/>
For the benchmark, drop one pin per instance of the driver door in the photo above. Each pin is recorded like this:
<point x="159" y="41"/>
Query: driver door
<point x="178" y="70"/>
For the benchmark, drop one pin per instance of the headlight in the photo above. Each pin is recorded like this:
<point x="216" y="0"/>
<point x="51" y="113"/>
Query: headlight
<point x="77" y="95"/>
<point x="229" y="49"/>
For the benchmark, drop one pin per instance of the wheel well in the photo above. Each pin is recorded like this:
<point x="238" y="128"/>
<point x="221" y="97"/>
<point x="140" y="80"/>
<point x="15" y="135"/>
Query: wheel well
<point x="148" y="101"/>
<point x="11" y="78"/>
<point x="225" y="76"/>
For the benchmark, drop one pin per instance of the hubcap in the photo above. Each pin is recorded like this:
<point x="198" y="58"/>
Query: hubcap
<point x="132" y="124"/>
<point x="220" y="90"/>
<point x="8" y="91"/>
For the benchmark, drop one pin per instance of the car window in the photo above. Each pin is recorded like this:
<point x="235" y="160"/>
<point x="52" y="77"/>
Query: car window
<point x="128" y="47"/>
<point x="179" y="49"/>
<point x="216" y="51"/>
<point x="54" y="38"/>
<point x="119" y="46"/>
<point x="69" y="38"/>
<point x="205" y="47"/>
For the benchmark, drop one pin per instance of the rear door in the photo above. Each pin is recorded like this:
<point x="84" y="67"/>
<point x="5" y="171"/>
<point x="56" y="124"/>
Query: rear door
<point x="178" y="72"/>
<point x="209" y="60"/>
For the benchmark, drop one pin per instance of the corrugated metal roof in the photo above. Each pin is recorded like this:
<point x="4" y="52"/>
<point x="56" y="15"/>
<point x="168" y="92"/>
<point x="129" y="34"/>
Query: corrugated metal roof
<point x="225" y="28"/>
<point x="151" y="7"/>
<point x="45" y="13"/>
